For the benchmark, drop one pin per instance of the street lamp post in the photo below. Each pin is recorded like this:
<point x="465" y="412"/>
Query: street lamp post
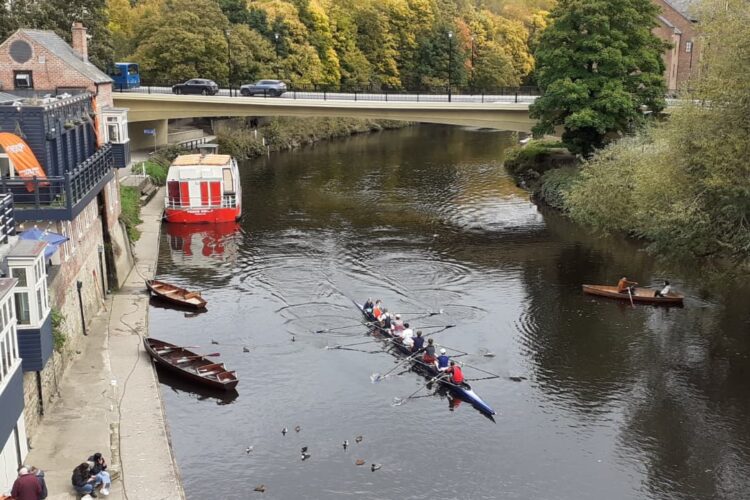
<point x="472" y="61"/>
<point x="228" y="32"/>
<point x="450" y="64"/>
<point x="278" y="66"/>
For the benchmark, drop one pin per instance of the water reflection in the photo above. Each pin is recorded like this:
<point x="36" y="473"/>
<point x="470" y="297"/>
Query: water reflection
<point x="180" y="386"/>
<point x="199" y="244"/>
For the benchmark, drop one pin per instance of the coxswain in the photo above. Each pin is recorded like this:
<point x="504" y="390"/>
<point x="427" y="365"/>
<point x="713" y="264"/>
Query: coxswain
<point x="418" y="342"/>
<point x="457" y="376"/>
<point x="368" y="306"/>
<point x="429" y="353"/>
<point x="442" y="361"/>
<point x="407" y="336"/>
<point x="623" y="286"/>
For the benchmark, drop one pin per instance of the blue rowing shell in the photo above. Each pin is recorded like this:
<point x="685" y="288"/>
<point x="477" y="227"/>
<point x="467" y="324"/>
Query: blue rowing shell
<point x="463" y="391"/>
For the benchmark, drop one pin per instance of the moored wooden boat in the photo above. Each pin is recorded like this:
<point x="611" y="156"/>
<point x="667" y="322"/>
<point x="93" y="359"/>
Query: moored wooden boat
<point x="462" y="391"/>
<point x="189" y="365"/>
<point x="640" y="294"/>
<point x="176" y="295"/>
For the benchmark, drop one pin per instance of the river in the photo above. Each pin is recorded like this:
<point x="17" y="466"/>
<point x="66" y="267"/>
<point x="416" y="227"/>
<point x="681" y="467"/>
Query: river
<point x="617" y="402"/>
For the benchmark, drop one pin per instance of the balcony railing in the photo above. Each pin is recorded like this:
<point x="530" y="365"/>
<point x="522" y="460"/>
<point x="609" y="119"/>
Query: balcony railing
<point x="60" y="197"/>
<point x="226" y="201"/>
<point x="7" y="220"/>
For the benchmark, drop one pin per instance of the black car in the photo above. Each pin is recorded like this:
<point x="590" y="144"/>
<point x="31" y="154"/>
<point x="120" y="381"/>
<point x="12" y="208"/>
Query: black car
<point x="196" y="86"/>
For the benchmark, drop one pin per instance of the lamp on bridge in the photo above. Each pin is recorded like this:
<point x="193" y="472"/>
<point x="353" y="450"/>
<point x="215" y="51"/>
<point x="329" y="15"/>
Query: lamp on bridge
<point x="276" y="46"/>
<point x="450" y="63"/>
<point x="228" y="32"/>
<point x="472" y="61"/>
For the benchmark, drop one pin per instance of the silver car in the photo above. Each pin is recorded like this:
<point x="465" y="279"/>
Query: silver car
<point x="272" y="88"/>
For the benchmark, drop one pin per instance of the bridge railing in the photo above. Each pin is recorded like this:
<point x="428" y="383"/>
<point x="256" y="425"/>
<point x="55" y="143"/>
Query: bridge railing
<point x="370" y="93"/>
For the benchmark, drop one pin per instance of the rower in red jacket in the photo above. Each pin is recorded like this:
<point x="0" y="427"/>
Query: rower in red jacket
<point x="457" y="376"/>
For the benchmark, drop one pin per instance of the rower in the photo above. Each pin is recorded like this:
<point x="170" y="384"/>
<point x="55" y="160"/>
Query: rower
<point x="397" y="325"/>
<point x="441" y="363"/>
<point x="457" y="376"/>
<point x="418" y="342"/>
<point x="377" y="310"/>
<point x="625" y="285"/>
<point x="429" y="353"/>
<point x="406" y="336"/>
<point x="386" y="319"/>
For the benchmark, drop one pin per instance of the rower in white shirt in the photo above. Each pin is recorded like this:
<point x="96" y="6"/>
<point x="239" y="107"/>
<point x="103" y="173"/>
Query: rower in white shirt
<point x="407" y="335"/>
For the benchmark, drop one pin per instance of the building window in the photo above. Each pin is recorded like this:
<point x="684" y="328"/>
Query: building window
<point x="688" y="46"/>
<point x="20" y="275"/>
<point x="23" y="313"/>
<point x="23" y="80"/>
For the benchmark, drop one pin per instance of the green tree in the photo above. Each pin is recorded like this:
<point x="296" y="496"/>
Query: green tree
<point x="598" y="65"/>
<point x="685" y="184"/>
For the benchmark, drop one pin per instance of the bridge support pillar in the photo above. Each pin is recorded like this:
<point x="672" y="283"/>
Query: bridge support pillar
<point x="149" y="134"/>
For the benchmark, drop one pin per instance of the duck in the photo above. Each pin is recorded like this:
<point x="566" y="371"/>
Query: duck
<point x="297" y="428"/>
<point x="284" y="431"/>
<point x="304" y="449"/>
<point x="214" y="342"/>
<point x="245" y="349"/>
<point x="261" y="488"/>
<point x="293" y="339"/>
<point x="359" y="439"/>
<point x="345" y="444"/>
<point x="305" y="456"/>
<point x="375" y="467"/>
<point x="249" y="450"/>
<point x="360" y="462"/>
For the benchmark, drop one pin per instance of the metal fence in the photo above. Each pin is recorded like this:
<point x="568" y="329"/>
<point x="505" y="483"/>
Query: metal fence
<point x="368" y="93"/>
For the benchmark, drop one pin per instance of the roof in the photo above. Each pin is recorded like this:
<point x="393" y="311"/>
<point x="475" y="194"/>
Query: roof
<point x="59" y="47"/>
<point x="684" y="7"/>
<point x="201" y="160"/>
<point x="8" y="98"/>
<point x="26" y="249"/>
<point x="6" y="285"/>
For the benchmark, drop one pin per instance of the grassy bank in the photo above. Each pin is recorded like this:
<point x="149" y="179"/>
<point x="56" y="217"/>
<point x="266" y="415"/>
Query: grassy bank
<point x="130" y="198"/>
<point x="283" y="133"/>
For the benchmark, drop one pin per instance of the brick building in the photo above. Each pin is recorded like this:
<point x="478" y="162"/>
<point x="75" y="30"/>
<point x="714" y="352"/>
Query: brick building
<point x="678" y="27"/>
<point x="58" y="108"/>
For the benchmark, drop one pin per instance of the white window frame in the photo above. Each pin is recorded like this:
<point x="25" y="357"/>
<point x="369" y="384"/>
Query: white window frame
<point x="688" y="47"/>
<point x="9" y="358"/>
<point x="35" y="289"/>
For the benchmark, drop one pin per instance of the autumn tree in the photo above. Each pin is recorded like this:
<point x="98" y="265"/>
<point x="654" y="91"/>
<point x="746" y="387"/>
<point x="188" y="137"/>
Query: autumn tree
<point x="598" y="65"/>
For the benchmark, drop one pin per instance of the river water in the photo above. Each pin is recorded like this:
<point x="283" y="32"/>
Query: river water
<point x="617" y="402"/>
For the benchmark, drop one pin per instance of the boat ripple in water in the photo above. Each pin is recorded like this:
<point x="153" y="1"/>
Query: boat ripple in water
<point x="398" y="401"/>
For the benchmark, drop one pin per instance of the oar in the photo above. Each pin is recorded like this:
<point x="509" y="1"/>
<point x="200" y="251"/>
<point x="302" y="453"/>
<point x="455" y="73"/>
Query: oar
<point x="630" y="294"/>
<point x="343" y="327"/>
<point x="481" y="370"/>
<point x="187" y="358"/>
<point x="404" y="400"/>
<point x="391" y="339"/>
<point x="376" y="377"/>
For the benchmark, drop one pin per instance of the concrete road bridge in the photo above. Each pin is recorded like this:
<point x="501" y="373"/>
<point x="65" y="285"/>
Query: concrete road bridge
<point x="152" y="107"/>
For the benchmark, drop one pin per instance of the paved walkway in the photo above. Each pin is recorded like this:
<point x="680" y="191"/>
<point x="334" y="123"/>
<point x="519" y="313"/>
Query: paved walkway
<point x="110" y="400"/>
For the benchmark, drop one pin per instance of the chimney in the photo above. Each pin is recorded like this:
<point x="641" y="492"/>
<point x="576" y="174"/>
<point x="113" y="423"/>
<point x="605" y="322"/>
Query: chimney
<point x="80" y="41"/>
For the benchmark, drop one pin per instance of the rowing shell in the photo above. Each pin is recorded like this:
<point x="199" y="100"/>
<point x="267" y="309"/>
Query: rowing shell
<point x="462" y="391"/>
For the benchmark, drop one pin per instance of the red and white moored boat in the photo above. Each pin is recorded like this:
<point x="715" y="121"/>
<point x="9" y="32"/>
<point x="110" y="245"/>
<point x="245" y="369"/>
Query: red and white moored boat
<point x="203" y="188"/>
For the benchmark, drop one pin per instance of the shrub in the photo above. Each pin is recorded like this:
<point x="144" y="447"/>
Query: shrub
<point x="130" y="199"/>
<point x="537" y="157"/>
<point x="555" y="186"/>
<point x="58" y="335"/>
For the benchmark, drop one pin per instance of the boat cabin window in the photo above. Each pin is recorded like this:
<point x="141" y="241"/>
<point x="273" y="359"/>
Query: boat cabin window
<point x="228" y="180"/>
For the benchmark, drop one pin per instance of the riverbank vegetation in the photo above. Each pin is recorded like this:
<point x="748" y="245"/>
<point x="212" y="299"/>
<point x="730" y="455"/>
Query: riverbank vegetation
<point x="130" y="201"/>
<point x="681" y="184"/>
<point x="235" y="137"/>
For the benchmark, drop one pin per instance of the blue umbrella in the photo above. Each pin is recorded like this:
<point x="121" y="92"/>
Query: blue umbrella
<point x="53" y="240"/>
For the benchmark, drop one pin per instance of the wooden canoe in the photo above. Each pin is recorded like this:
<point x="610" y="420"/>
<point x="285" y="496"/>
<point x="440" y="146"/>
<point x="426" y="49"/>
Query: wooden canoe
<point x="641" y="295"/>
<point x="176" y="295"/>
<point x="190" y="366"/>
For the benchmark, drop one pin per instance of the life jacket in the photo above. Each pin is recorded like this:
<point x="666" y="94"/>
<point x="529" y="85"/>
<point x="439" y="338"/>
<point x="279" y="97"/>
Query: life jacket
<point x="443" y="360"/>
<point x="457" y="376"/>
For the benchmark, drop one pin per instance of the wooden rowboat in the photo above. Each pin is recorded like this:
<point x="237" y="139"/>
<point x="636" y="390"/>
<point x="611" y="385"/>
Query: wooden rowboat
<point x="176" y="295"/>
<point x="462" y="391"/>
<point x="640" y="294"/>
<point x="190" y="366"/>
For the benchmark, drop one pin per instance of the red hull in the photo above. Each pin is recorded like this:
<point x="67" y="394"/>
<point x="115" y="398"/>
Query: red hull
<point x="198" y="215"/>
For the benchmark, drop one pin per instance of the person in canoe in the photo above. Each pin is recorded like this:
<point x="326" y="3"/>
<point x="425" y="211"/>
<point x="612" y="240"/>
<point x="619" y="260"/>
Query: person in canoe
<point x="624" y="285"/>
<point x="442" y="361"/>
<point x="418" y="342"/>
<point x="386" y="319"/>
<point x="377" y="310"/>
<point x="454" y="370"/>
<point x="429" y="353"/>
<point x="664" y="291"/>
<point x="397" y="325"/>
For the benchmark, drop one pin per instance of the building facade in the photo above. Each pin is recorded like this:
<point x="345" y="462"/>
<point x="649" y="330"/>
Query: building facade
<point x="61" y="143"/>
<point x="678" y="28"/>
